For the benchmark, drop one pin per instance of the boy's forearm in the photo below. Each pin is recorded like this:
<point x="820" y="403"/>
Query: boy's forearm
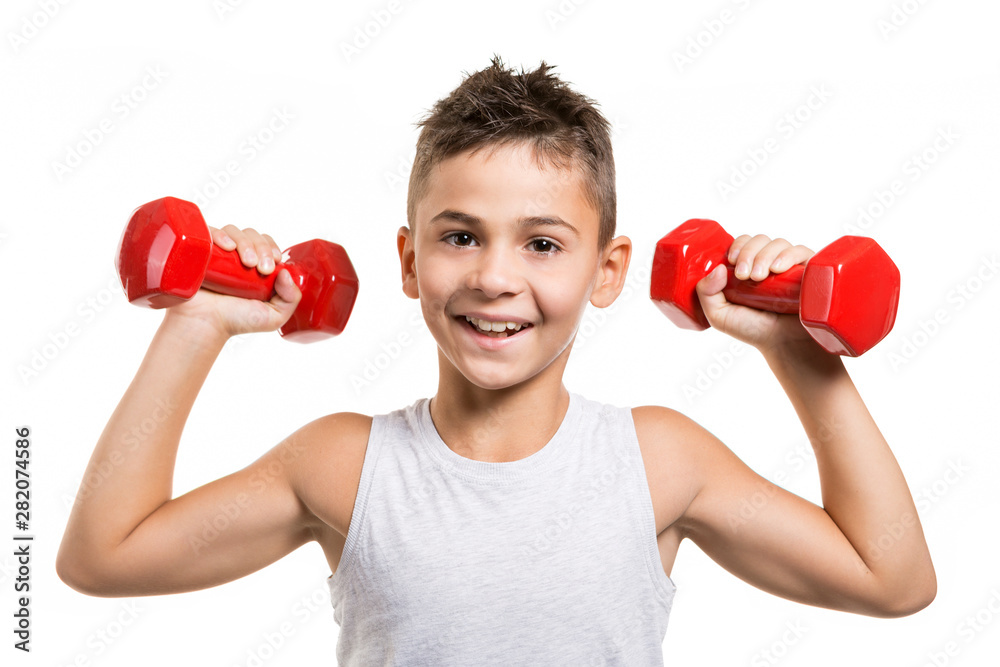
<point x="863" y="488"/>
<point x="130" y="473"/>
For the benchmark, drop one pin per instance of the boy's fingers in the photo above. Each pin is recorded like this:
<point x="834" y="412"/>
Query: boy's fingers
<point x="222" y="239"/>
<point x="261" y="252"/>
<point x="754" y="257"/>
<point x="244" y="246"/>
<point x="275" y="250"/>
<point x="748" y="252"/>
<point x="761" y="264"/>
<point x="734" y="249"/>
<point x="253" y="248"/>
<point x="264" y="247"/>
<point x="789" y="257"/>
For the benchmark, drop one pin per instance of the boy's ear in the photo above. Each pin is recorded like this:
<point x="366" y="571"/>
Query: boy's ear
<point x="612" y="272"/>
<point x="407" y="263"/>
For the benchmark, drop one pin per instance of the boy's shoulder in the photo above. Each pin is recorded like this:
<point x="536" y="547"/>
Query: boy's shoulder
<point x="658" y="420"/>
<point x="676" y="452"/>
<point x="663" y="431"/>
<point x="324" y="459"/>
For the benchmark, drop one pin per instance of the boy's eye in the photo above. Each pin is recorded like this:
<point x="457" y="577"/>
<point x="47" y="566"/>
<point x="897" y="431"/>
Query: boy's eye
<point x="545" y="246"/>
<point x="459" y="238"/>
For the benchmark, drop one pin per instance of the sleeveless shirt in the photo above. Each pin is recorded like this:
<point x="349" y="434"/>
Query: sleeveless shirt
<point x="548" y="560"/>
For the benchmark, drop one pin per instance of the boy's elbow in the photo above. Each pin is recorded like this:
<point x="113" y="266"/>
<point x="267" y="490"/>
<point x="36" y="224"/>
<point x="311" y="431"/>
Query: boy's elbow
<point x="81" y="576"/>
<point x="917" y="596"/>
<point x="909" y="605"/>
<point x="73" y="574"/>
<point x="921" y="599"/>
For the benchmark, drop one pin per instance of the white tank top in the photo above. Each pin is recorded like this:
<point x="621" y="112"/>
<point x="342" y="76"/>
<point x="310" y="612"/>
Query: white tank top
<point x="548" y="560"/>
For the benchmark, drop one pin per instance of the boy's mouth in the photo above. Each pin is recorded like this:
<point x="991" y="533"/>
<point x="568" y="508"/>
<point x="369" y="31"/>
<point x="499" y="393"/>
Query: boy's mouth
<point x="496" y="329"/>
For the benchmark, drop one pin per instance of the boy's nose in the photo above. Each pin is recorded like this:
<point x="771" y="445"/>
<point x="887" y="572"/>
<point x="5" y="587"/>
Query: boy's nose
<point x="495" y="273"/>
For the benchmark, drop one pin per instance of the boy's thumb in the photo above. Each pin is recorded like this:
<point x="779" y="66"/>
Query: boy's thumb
<point x="287" y="294"/>
<point x="710" y="288"/>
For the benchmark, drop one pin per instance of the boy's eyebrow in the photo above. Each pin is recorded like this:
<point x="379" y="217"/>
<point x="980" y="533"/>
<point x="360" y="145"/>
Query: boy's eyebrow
<point x="523" y="222"/>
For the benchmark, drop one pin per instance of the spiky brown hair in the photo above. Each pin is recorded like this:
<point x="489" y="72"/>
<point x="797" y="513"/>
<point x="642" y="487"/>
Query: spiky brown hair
<point x="497" y="106"/>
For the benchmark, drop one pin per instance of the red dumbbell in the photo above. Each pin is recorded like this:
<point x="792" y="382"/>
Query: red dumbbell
<point x="845" y="295"/>
<point x="166" y="254"/>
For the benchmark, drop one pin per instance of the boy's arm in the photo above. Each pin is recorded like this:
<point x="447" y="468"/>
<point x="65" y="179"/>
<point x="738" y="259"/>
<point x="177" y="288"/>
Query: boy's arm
<point x="864" y="550"/>
<point x="125" y="535"/>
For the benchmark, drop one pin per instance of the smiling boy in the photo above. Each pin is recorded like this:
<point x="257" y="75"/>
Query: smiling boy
<point x="506" y="519"/>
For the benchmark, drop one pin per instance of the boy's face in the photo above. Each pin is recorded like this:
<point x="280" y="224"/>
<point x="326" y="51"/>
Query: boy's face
<point x="499" y="238"/>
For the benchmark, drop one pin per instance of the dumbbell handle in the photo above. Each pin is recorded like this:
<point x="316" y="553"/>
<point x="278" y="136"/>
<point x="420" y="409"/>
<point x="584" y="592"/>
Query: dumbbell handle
<point x="777" y="293"/>
<point x="226" y="274"/>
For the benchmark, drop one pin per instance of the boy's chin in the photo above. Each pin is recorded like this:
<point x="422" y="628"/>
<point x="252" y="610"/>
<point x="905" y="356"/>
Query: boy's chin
<point x="494" y="381"/>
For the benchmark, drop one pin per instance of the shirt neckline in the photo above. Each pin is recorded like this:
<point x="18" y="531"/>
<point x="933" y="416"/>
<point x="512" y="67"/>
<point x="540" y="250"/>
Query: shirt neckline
<point x="497" y="472"/>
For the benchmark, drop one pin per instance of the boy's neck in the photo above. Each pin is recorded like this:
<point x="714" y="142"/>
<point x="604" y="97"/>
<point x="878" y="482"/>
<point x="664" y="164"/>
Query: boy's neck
<point x="499" y="425"/>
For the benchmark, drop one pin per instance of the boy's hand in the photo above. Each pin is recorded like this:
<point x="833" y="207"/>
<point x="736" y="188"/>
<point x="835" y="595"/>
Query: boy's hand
<point x="230" y="315"/>
<point x="754" y="258"/>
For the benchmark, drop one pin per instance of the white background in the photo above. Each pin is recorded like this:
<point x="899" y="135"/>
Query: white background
<point x="893" y="75"/>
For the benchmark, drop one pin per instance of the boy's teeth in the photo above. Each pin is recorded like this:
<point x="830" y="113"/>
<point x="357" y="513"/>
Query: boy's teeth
<point x="498" y="327"/>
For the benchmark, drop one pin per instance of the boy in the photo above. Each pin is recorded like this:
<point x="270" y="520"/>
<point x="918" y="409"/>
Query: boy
<point x="505" y="519"/>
